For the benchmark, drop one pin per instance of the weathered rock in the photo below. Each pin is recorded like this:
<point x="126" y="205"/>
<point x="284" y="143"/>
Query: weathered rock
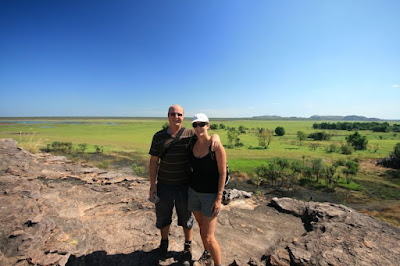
<point x="338" y="235"/>
<point x="56" y="212"/>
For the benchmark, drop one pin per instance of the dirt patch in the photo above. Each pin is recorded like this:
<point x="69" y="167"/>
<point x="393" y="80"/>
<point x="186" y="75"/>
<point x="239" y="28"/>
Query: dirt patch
<point x="370" y="165"/>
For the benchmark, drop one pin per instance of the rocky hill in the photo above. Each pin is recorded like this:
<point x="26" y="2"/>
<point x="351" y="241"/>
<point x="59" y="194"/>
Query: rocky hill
<point x="56" y="212"/>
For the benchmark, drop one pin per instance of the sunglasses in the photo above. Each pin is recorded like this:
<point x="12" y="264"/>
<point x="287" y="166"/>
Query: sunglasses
<point x="174" y="114"/>
<point x="202" y="124"/>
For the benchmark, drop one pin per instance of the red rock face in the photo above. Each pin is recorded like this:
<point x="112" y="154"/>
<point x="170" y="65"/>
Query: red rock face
<point x="56" y="212"/>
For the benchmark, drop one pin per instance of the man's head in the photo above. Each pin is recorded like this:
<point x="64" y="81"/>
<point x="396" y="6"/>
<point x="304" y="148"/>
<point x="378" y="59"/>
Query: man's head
<point x="175" y="115"/>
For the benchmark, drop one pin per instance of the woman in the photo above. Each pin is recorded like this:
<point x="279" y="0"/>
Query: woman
<point x="206" y="187"/>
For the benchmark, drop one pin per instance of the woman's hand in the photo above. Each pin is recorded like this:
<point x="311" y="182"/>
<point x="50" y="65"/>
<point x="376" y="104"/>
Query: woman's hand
<point x="216" y="207"/>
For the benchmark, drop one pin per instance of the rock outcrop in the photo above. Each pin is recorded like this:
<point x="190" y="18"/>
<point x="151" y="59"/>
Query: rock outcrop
<point x="57" y="212"/>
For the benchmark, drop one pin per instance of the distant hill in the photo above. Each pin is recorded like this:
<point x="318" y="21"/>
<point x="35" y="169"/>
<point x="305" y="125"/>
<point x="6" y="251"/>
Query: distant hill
<point x="318" y="118"/>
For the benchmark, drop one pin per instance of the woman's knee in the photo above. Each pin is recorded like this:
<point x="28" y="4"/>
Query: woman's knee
<point x="209" y="239"/>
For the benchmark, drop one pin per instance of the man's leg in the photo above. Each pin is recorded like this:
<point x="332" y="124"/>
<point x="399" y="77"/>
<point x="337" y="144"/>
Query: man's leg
<point x="188" y="234"/>
<point x="164" y="209"/>
<point x="165" y="232"/>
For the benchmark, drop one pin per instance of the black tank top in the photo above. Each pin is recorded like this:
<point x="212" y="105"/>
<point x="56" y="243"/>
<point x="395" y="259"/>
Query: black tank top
<point x="205" y="175"/>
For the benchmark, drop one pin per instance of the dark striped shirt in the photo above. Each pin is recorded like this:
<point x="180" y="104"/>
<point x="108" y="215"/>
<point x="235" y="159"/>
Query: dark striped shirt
<point x="174" y="168"/>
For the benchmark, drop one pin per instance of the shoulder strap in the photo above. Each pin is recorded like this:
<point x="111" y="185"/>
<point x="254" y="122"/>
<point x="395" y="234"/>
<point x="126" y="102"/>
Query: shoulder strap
<point x="212" y="153"/>
<point x="170" y="142"/>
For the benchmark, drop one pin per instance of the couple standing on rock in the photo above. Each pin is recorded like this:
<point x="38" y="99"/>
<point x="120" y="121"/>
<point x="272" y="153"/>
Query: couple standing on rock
<point x="190" y="168"/>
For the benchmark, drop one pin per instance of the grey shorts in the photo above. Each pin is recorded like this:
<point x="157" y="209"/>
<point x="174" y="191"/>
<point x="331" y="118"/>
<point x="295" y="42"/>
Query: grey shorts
<point x="201" y="202"/>
<point x="170" y="196"/>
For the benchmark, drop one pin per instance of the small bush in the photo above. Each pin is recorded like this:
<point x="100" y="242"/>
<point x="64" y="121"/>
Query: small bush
<point x="103" y="165"/>
<point x="82" y="147"/>
<point x="99" y="149"/>
<point x="346" y="149"/>
<point x="333" y="147"/>
<point x="320" y="136"/>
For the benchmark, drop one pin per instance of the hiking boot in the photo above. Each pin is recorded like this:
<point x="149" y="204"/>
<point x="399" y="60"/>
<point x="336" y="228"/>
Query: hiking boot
<point x="187" y="254"/>
<point x="205" y="260"/>
<point x="163" y="248"/>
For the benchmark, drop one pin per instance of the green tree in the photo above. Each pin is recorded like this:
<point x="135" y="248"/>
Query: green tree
<point x="329" y="175"/>
<point x="222" y="126"/>
<point x="233" y="138"/>
<point x="301" y="136"/>
<point x="357" y="141"/>
<point x="280" y="131"/>
<point x="351" y="170"/>
<point x="264" y="138"/>
<point x="317" y="168"/>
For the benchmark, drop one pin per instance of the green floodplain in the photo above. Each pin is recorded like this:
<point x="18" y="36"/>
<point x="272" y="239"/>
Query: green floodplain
<point x="373" y="189"/>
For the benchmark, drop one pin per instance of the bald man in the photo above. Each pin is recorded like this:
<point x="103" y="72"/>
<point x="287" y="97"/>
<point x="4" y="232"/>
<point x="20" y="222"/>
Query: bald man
<point x="171" y="170"/>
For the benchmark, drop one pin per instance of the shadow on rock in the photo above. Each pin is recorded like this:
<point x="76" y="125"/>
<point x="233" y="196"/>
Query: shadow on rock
<point x="101" y="258"/>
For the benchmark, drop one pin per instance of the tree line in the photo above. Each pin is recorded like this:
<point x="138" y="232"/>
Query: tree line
<point x="354" y="126"/>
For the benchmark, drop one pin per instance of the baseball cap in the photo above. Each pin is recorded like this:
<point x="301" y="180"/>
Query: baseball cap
<point x="200" y="117"/>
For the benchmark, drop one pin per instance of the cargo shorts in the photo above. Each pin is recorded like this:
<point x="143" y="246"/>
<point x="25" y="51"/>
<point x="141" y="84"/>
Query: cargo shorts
<point x="170" y="196"/>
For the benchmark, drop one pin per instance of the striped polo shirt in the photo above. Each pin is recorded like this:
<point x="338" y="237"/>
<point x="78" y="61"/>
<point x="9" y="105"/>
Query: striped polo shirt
<point x="174" y="168"/>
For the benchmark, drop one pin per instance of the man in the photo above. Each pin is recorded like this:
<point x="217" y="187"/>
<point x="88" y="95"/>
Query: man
<point x="171" y="168"/>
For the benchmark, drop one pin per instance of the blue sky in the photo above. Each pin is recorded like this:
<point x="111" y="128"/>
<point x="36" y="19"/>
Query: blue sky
<point x="231" y="58"/>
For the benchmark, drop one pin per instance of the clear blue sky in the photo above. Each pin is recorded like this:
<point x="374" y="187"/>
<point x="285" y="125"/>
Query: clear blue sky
<point x="233" y="58"/>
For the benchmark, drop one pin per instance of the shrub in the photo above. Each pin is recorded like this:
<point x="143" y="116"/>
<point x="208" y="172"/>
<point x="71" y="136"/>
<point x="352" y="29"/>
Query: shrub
<point x="103" y="165"/>
<point x="314" y="146"/>
<point x="357" y="141"/>
<point x="296" y="167"/>
<point x="340" y="162"/>
<point x="301" y="136"/>
<point x="332" y="148"/>
<point x="82" y="147"/>
<point x="61" y="146"/>
<point x="351" y="170"/>
<point x="99" y="149"/>
<point x="320" y="136"/>
<point x="214" y="126"/>
<point x="280" y="131"/>
<point x="317" y="168"/>
<point x="346" y="149"/>
<point x="137" y="169"/>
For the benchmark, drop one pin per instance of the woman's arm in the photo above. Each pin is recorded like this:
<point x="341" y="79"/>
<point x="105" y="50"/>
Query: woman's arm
<point x="221" y="161"/>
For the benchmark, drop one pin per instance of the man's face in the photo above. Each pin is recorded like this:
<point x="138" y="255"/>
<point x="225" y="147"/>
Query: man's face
<point x="175" y="116"/>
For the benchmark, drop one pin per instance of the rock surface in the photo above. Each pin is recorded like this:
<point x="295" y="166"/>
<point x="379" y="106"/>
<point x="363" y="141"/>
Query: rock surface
<point x="56" y="212"/>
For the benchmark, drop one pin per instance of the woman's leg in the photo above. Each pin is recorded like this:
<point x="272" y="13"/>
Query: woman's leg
<point x="199" y="219"/>
<point x="207" y="229"/>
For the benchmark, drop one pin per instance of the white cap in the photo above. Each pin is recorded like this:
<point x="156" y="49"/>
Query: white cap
<point x="200" y="117"/>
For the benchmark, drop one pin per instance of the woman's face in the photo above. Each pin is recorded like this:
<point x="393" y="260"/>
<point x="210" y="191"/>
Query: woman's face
<point x="200" y="128"/>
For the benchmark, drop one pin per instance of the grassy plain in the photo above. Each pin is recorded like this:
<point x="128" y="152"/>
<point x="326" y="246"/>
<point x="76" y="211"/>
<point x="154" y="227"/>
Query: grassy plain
<point x="132" y="137"/>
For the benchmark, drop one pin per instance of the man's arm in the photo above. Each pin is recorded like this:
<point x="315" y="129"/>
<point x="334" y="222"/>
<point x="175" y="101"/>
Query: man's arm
<point x="153" y="167"/>
<point x="215" y="142"/>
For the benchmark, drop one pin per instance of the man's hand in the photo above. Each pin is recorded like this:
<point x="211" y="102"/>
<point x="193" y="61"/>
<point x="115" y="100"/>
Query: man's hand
<point x="152" y="191"/>
<point x="215" y="142"/>
<point x="153" y="165"/>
